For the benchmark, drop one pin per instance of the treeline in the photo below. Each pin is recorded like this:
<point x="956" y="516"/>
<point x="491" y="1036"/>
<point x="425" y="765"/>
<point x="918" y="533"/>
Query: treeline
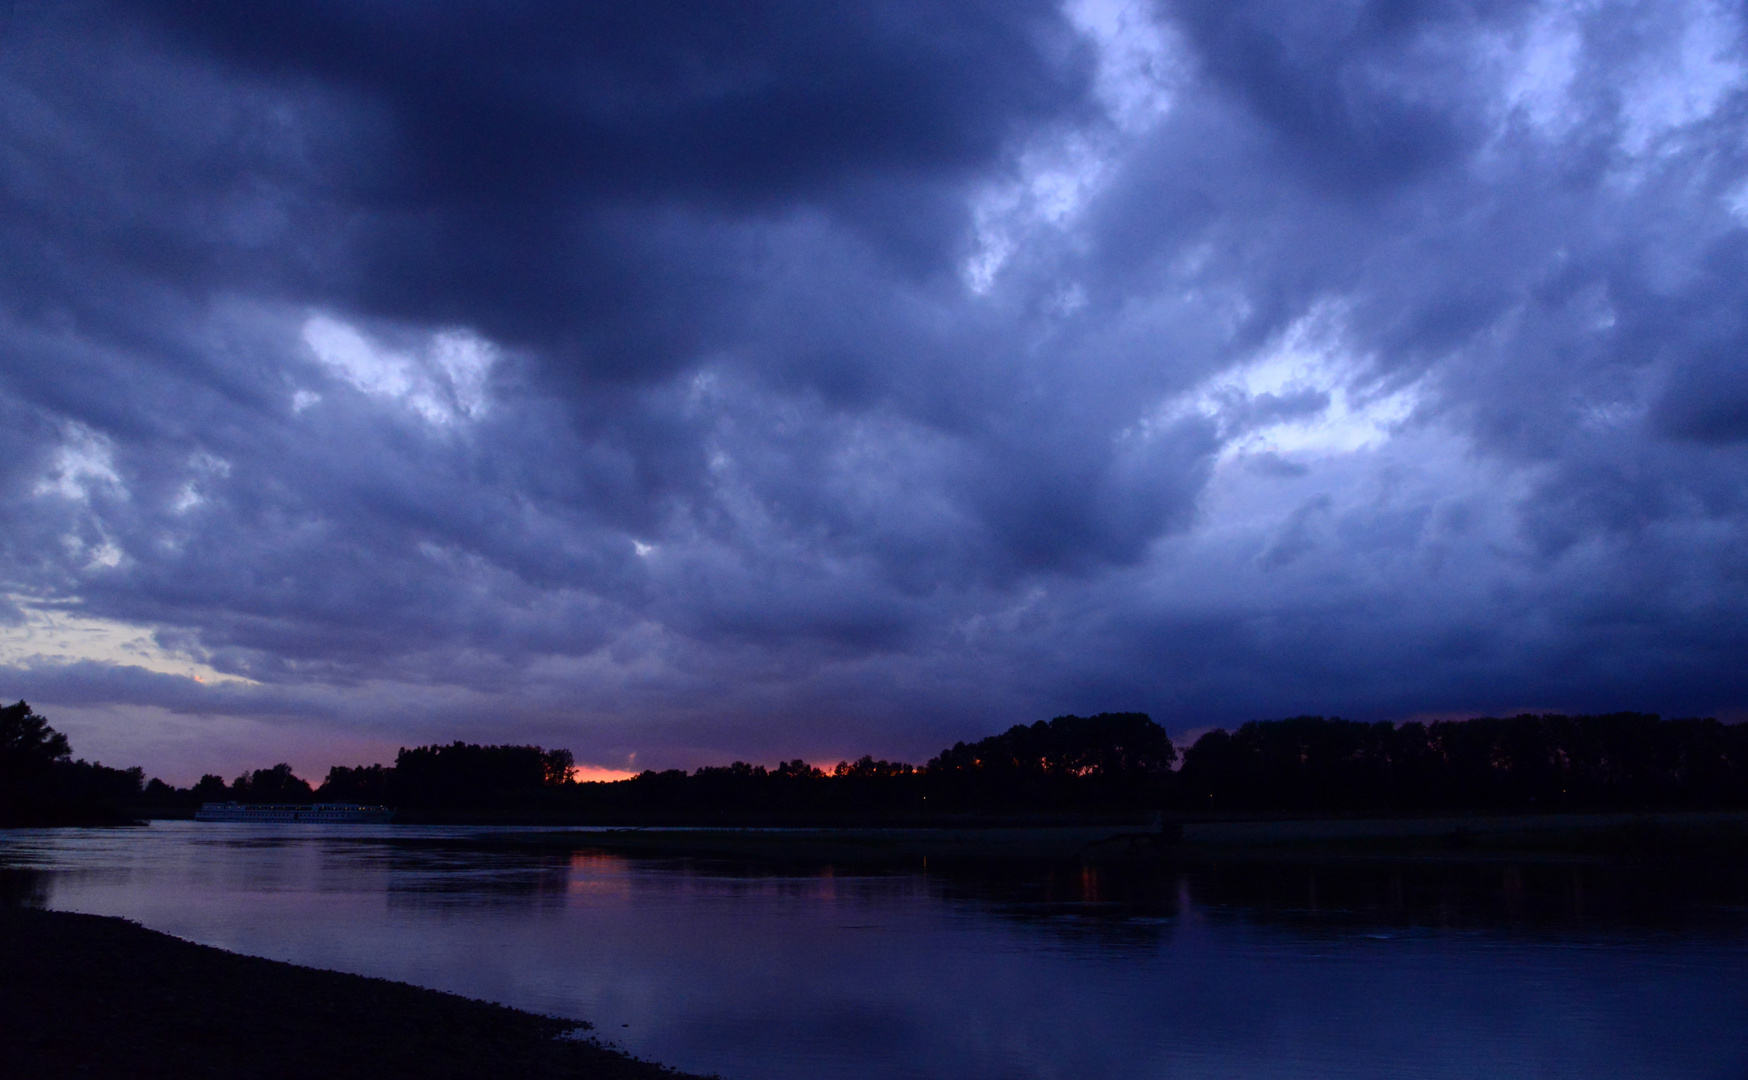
<point x="1112" y="763"/>
<point x="1109" y="764"/>
<point x="1122" y="763"/>
<point x="1529" y="762"/>
<point x="1072" y="766"/>
<point x="438" y="777"/>
<point x="42" y="784"/>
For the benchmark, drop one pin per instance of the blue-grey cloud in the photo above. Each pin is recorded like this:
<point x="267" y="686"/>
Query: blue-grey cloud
<point x="812" y="378"/>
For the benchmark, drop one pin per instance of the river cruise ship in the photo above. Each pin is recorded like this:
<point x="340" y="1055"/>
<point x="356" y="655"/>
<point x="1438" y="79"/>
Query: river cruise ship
<point x="329" y="813"/>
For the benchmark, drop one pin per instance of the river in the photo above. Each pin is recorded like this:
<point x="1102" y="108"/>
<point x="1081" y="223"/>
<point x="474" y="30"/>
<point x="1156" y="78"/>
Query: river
<point x="770" y="972"/>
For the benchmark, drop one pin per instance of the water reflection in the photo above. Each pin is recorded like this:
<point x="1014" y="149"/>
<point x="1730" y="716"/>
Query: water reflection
<point x="24" y="887"/>
<point x="1486" y="895"/>
<point x="1123" y="899"/>
<point x="1431" y="969"/>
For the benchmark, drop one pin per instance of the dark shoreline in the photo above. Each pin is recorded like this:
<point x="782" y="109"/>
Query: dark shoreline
<point x="1608" y="836"/>
<point x="1534" y="837"/>
<point x="87" y="995"/>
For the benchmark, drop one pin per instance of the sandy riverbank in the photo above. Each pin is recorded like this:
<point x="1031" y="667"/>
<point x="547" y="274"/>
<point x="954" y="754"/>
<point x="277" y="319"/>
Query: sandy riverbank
<point x="85" y="996"/>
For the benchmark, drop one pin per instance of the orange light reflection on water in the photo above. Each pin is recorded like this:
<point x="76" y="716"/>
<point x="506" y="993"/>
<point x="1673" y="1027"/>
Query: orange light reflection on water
<point x="597" y="873"/>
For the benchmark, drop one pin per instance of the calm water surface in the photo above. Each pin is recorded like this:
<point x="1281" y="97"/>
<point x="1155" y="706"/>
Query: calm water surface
<point x="1374" y="970"/>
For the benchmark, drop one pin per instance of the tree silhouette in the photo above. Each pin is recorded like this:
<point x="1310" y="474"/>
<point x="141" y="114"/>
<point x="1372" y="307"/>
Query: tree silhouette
<point x="28" y="745"/>
<point x="275" y="785"/>
<point x="39" y="785"/>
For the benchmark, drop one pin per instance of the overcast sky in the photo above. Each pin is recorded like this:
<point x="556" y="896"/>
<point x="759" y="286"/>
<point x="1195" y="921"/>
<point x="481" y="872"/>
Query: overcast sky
<point x="690" y="381"/>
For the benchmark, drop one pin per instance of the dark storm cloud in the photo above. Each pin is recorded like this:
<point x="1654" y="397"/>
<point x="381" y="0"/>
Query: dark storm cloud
<point x="814" y="378"/>
<point x="1320" y="82"/>
<point x="510" y="167"/>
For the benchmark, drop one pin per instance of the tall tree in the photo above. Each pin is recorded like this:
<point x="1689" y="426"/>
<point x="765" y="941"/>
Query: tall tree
<point x="28" y="745"/>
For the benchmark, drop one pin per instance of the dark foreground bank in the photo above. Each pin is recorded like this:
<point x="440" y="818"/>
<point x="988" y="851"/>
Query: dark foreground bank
<point x="83" y="995"/>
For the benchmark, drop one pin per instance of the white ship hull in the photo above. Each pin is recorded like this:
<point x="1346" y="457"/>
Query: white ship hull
<point x="316" y="813"/>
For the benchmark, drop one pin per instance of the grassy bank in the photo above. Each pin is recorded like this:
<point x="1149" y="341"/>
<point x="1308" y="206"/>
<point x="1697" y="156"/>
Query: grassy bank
<point x="82" y="995"/>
